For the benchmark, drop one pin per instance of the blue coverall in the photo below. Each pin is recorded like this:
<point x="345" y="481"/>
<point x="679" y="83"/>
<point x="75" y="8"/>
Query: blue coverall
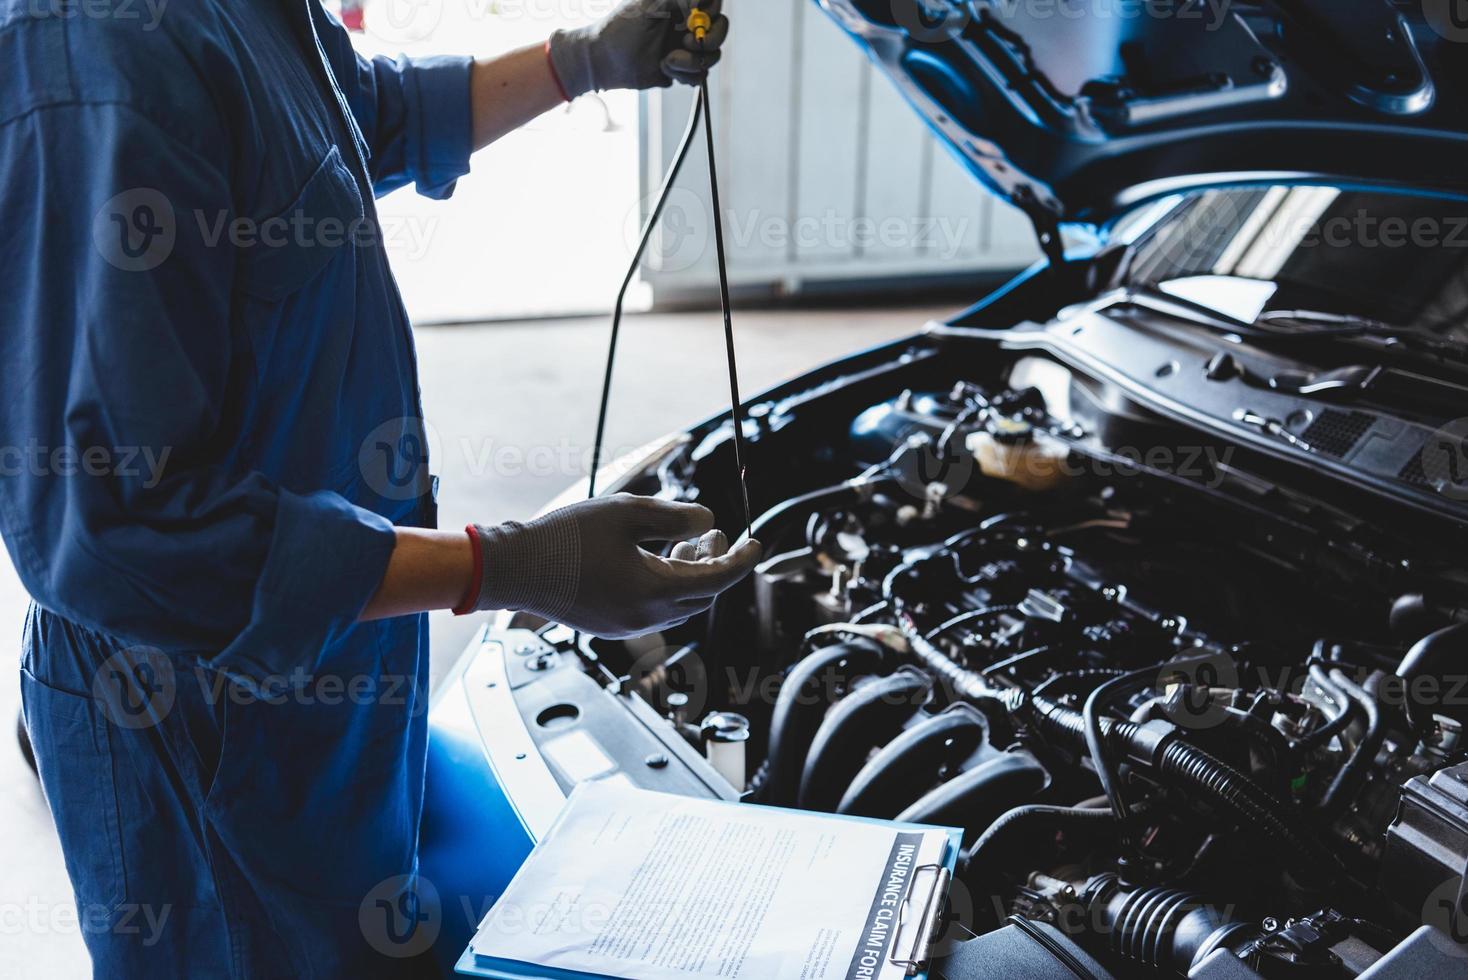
<point x="210" y="424"/>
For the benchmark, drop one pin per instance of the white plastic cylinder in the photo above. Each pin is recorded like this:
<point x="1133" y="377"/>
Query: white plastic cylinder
<point x="724" y="736"/>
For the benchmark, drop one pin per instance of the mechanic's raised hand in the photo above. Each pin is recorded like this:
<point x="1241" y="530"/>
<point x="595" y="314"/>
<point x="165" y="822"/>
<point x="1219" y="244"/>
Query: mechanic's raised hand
<point x="641" y="44"/>
<point x="584" y="565"/>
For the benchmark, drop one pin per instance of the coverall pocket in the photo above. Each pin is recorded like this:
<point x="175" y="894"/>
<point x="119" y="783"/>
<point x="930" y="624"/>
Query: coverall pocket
<point x="289" y="249"/>
<point x="74" y="754"/>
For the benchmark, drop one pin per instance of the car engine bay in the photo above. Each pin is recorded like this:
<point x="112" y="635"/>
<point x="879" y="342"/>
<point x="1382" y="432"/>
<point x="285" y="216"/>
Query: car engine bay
<point x="1192" y="719"/>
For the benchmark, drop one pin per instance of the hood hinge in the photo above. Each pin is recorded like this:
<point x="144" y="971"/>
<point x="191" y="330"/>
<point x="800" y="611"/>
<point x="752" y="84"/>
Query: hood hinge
<point x="1046" y="224"/>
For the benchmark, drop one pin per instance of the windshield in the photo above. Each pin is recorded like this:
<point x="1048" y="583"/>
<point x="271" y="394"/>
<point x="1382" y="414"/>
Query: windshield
<point x="1396" y="258"/>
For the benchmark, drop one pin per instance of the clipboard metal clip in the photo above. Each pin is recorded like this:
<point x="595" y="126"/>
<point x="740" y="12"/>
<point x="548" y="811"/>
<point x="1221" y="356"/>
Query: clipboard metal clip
<point x="925" y="928"/>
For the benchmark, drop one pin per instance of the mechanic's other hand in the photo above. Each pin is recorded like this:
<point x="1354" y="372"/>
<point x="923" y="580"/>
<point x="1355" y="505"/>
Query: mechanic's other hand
<point x="641" y="44"/>
<point x="584" y="565"/>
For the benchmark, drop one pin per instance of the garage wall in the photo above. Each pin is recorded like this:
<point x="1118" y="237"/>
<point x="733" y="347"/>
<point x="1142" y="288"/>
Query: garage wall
<point x="827" y="176"/>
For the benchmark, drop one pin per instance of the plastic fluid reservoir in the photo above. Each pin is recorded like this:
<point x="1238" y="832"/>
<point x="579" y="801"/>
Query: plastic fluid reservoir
<point x="724" y="736"/>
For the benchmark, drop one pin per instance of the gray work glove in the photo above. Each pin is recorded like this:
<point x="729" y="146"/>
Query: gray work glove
<point x="641" y="44"/>
<point x="584" y="566"/>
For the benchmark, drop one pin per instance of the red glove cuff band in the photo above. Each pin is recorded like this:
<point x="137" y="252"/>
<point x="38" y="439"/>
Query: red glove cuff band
<point x="471" y="598"/>
<point x="550" y="63"/>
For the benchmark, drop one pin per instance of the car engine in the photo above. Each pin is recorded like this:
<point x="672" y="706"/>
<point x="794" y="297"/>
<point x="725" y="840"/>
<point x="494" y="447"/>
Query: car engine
<point x="1192" y="719"/>
<point x="1178" y="706"/>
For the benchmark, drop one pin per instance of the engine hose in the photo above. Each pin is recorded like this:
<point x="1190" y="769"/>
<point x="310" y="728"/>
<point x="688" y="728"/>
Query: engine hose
<point x="1179" y="762"/>
<point x="772" y="521"/>
<point x="976" y="797"/>
<point x="1106" y="770"/>
<point x="914" y="761"/>
<point x="1426" y="657"/>
<point x="1192" y="770"/>
<point x="994" y="845"/>
<point x="1163" y="928"/>
<point x="805" y="694"/>
<point x="1334" y="725"/>
<point x="869" y="716"/>
<point x="1348" y="779"/>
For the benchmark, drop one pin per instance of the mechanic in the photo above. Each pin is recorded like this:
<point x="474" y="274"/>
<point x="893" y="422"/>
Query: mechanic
<point x="208" y="353"/>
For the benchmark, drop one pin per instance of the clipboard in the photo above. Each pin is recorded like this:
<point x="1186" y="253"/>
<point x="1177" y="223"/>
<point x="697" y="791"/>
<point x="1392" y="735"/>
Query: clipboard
<point x="915" y="934"/>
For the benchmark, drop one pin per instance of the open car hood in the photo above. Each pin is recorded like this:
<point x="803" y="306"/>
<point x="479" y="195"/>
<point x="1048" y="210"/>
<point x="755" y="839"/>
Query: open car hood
<point x="1076" y="109"/>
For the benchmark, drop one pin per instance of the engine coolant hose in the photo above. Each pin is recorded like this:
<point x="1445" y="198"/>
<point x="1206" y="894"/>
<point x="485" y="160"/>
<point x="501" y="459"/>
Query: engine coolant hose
<point x="1349" y="777"/>
<point x="1171" y="759"/>
<point x="1194" y="771"/>
<point x="995" y="844"/>
<point x="1428" y="656"/>
<point x="1338" y="723"/>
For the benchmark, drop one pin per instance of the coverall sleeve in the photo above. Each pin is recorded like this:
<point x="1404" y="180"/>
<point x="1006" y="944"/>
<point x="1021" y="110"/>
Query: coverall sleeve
<point x="118" y="506"/>
<point x="415" y="114"/>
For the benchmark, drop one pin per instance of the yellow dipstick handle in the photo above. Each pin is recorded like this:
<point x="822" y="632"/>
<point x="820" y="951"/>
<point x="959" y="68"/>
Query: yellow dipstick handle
<point x="699" y="23"/>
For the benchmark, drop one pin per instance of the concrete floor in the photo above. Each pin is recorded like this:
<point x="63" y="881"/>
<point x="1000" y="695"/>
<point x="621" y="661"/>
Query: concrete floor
<point x="513" y="406"/>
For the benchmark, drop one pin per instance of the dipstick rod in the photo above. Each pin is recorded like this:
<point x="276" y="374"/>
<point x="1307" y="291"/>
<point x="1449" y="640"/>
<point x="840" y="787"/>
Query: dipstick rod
<point x="736" y="410"/>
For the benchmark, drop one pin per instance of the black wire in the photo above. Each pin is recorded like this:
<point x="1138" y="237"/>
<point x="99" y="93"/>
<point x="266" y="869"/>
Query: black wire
<point x="735" y="409"/>
<point x="647" y="229"/>
<point x="1023" y="657"/>
<point x="1106" y="773"/>
<point x="701" y="107"/>
<point x="963" y="618"/>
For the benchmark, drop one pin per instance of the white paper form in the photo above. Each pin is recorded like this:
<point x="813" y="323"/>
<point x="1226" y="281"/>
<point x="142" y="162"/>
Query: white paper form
<point x="647" y="886"/>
